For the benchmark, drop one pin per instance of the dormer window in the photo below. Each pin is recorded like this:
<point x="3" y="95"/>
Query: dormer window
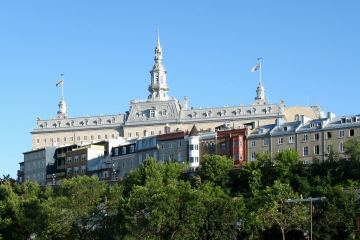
<point x="296" y="117"/>
<point x="285" y="128"/>
<point x="353" y="119"/>
<point x="312" y="125"/>
<point x="152" y="113"/>
<point x="319" y="124"/>
<point x="343" y="120"/>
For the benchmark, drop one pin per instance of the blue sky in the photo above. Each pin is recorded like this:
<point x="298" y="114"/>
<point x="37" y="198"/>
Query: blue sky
<point x="310" y="52"/>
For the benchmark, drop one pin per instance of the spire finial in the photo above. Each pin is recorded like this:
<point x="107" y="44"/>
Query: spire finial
<point x="158" y="36"/>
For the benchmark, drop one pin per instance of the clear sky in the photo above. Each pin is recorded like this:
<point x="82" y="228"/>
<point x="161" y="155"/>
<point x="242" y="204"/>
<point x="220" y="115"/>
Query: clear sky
<point x="310" y="51"/>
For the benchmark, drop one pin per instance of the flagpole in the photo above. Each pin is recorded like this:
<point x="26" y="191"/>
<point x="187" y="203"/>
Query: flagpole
<point x="62" y="85"/>
<point x="260" y="71"/>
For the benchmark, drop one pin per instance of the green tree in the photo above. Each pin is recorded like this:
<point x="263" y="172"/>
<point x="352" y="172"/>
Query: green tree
<point x="215" y="168"/>
<point x="276" y="211"/>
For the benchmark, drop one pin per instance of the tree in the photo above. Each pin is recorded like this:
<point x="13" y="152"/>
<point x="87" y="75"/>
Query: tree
<point x="276" y="211"/>
<point x="77" y="208"/>
<point x="215" y="168"/>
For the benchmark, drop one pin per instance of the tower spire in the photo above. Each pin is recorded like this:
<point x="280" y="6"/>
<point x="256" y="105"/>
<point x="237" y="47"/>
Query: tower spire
<point x="158" y="88"/>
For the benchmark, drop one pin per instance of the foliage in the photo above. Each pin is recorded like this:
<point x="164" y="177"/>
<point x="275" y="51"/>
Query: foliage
<point x="156" y="201"/>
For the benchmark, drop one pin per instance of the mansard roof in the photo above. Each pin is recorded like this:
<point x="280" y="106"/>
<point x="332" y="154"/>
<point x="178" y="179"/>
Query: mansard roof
<point x="70" y="124"/>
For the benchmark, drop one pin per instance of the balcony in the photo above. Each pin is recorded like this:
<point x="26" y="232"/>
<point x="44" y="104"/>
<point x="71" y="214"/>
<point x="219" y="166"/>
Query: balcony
<point x="60" y="155"/>
<point x="61" y="167"/>
<point x="62" y="174"/>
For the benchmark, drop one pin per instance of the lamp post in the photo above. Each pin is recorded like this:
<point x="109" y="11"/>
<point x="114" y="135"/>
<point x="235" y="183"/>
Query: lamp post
<point x="311" y="201"/>
<point x="53" y="178"/>
<point x="113" y="171"/>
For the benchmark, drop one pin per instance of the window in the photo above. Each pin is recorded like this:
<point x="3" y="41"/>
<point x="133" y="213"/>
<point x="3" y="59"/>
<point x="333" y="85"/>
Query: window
<point x="69" y="171"/>
<point x="132" y="162"/>
<point x="38" y="165"/>
<point x="341" y="147"/>
<point x="37" y="141"/>
<point x="291" y="139"/>
<point x="43" y="164"/>
<point x="152" y="133"/>
<point x="152" y="113"/>
<point x="106" y="137"/>
<point x="163" y="146"/>
<point x="179" y="156"/>
<point x="171" y="156"/>
<point x="83" y="157"/>
<point x="147" y="156"/>
<point x="328" y="135"/>
<point x="236" y="156"/>
<point x="236" y="143"/>
<point x="123" y="150"/>
<point x="341" y="133"/>
<point x="317" y="150"/>
<point x="124" y="164"/>
<point x="83" y="169"/>
<point x="170" y="144"/>
<point x="76" y="170"/>
<point x="64" y="139"/>
<point x="78" y="138"/>
<point x="159" y="132"/>
<point x="132" y="148"/>
<point x="76" y="158"/>
<point x="129" y="135"/>
<point x="306" y="151"/>
<point x="51" y="140"/>
<point x="137" y="134"/>
<point x="305" y="138"/>
<point x="312" y="125"/>
<point x="285" y="129"/>
<point x="69" y="159"/>
<point x="316" y="137"/>
<point x="351" y="132"/>
<point x="253" y="143"/>
<point x="140" y="159"/>
<point x="241" y="143"/>
<point x="266" y="142"/>
<point x="162" y="157"/>
<point x="92" y="137"/>
<point x="281" y="140"/>
<point x="58" y="139"/>
<point x="179" y="143"/>
<point x="241" y="156"/>
<point x="71" y="139"/>
<point x="116" y="151"/>
<point x="99" y="137"/>
<point x="194" y="147"/>
<point x="44" y="140"/>
<point x="253" y="156"/>
<point x="328" y="148"/>
<point x="343" y="120"/>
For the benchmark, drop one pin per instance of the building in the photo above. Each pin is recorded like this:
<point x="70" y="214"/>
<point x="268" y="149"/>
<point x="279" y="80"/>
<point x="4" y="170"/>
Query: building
<point x="37" y="163"/>
<point x="156" y="115"/>
<point x="309" y="137"/>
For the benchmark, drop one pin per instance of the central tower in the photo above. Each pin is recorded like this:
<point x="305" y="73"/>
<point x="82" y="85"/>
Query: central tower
<point x="158" y="88"/>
